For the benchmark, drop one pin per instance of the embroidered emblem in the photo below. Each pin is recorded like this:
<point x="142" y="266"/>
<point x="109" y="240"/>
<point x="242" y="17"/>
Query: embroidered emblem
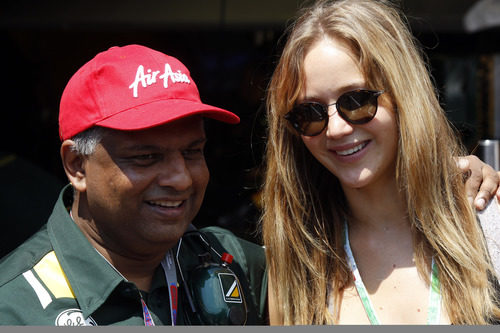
<point x="230" y="288"/>
<point x="151" y="77"/>
<point x="73" y="317"/>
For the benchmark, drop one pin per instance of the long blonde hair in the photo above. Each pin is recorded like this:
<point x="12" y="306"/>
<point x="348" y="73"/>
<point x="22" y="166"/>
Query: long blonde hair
<point x="304" y="205"/>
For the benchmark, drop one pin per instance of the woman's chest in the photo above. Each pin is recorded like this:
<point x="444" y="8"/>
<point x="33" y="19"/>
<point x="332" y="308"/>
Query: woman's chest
<point x="399" y="297"/>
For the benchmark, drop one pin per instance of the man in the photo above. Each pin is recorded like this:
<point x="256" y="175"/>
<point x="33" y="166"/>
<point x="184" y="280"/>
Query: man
<point x="119" y="247"/>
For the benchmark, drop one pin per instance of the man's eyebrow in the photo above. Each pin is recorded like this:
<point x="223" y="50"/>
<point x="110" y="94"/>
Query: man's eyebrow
<point x="198" y="142"/>
<point x="143" y="147"/>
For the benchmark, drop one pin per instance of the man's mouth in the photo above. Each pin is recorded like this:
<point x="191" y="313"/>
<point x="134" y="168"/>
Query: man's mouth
<point x="166" y="204"/>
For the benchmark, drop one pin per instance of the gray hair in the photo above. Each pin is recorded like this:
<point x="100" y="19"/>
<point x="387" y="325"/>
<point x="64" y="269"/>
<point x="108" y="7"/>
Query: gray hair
<point x="87" y="141"/>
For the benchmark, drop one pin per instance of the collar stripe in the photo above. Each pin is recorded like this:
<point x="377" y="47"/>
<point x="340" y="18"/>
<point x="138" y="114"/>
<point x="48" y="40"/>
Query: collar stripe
<point x="51" y="274"/>
<point x="41" y="292"/>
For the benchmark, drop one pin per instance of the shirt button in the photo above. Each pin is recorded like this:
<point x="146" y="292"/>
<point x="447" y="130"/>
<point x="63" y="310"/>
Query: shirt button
<point x="129" y="292"/>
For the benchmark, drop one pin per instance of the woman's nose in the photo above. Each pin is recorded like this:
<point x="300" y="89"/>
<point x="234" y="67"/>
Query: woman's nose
<point x="337" y="126"/>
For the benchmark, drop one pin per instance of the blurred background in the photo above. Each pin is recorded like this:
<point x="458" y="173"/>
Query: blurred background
<point x="230" y="47"/>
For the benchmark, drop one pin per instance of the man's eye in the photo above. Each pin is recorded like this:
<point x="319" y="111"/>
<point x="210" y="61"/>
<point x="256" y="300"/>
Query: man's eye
<point x="193" y="152"/>
<point x="145" y="159"/>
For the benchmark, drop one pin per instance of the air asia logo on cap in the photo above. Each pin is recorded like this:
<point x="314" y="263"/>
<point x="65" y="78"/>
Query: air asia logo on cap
<point x="230" y="288"/>
<point x="151" y="77"/>
<point x="73" y="317"/>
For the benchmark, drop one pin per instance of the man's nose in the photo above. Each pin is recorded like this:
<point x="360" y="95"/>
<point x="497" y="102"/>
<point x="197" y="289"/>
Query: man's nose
<point x="175" y="173"/>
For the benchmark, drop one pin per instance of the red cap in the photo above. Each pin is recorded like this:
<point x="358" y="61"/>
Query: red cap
<point x="130" y="88"/>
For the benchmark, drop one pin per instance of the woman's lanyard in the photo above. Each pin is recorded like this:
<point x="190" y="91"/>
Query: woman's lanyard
<point x="434" y="310"/>
<point x="171" y="277"/>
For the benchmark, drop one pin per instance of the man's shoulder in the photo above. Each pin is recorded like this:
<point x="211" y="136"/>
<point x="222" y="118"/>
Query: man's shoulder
<point x="250" y="258"/>
<point x="24" y="257"/>
<point x="227" y="234"/>
<point x="18" y="295"/>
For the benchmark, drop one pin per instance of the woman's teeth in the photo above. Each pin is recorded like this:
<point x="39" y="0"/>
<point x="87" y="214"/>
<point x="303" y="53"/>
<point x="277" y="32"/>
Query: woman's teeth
<point x="352" y="150"/>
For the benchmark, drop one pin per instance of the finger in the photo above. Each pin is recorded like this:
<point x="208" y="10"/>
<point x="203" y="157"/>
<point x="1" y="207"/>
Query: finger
<point x="481" y="200"/>
<point x="488" y="188"/>
<point x="481" y="180"/>
<point x="473" y="184"/>
<point x="462" y="163"/>
<point x="471" y="167"/>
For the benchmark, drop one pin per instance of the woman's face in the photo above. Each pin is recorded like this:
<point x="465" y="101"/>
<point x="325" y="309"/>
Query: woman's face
<point x="358" y="155"/>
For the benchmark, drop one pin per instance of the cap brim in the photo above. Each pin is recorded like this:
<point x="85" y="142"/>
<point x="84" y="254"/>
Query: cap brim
<point x="164" y="111"/>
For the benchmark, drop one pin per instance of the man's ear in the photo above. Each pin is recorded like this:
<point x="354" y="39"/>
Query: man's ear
<point x="74" y="166"/>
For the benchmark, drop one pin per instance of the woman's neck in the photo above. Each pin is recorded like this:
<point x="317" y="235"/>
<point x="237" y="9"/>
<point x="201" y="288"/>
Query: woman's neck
<point x="379" y="230"/>
<point x="377" y="207"/>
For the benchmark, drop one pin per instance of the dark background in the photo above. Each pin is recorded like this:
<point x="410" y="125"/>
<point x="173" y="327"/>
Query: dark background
<point x="230" y="47"/>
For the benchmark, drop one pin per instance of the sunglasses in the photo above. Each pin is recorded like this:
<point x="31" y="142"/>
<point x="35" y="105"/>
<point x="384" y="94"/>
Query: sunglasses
<point x="356" y="107"/>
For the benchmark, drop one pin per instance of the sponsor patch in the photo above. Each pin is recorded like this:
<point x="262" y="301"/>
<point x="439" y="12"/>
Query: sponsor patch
<point x="231" y="291"/>
<point x="73" y="317"/>
<point x="149" y="77"/>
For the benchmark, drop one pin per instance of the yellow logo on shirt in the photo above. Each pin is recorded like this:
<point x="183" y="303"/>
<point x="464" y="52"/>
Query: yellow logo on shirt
<point x="230" y="288"/>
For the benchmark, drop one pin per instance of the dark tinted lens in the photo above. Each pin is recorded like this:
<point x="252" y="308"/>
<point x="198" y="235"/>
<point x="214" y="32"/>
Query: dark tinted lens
<point x="308" y="118"/>
<point x="358" y="106"/>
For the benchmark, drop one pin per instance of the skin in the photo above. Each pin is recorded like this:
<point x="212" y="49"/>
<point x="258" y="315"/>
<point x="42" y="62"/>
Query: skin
<point x="363" y="158"/>
<point x="138" y="192"/>
<point x="482" y="181"/>
<point x="377" y="140"/>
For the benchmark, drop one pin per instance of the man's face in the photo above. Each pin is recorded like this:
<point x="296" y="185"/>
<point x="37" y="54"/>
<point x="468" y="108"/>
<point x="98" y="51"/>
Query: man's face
<point x="144" y="187"/>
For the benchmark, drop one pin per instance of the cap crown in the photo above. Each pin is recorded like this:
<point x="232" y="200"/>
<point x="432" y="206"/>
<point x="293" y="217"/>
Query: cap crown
<point x="128" y="88"/>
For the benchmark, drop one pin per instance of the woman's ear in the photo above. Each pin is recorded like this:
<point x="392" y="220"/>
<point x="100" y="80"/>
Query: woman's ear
<point x="74" y="166"/>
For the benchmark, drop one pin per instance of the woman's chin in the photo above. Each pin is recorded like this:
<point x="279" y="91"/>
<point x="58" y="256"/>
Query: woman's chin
<point x="356" y="180"/>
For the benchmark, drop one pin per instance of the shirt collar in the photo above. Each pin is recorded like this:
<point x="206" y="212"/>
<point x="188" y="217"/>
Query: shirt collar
<point x="90" y="276"/>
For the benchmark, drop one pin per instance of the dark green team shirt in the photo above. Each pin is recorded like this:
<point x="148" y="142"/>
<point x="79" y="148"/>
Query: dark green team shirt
<point x="57" y="278"/>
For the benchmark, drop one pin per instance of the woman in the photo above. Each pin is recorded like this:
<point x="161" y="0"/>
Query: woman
<point x="361" y="181"/>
